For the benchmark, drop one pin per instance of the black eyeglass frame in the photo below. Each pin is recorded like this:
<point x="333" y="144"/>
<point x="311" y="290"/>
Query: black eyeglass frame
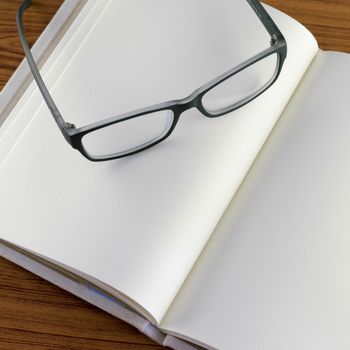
<point x="75" y="135"/>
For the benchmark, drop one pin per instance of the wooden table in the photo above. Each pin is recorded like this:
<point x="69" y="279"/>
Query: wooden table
<point x="36" y="315"/>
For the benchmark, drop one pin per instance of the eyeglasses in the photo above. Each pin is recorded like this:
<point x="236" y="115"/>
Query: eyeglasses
<point x="139" y="130"/>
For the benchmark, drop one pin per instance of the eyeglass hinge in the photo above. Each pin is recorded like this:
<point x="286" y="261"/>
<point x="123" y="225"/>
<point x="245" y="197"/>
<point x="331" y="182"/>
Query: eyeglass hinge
<point x="274" y="40"/>
<point x="69" y="125"/>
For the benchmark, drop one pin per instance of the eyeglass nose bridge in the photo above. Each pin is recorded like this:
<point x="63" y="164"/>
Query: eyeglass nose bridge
<point x="189" y="102"/>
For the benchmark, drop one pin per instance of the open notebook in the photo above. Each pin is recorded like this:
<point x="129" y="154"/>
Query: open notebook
<point x="232" y="234"/>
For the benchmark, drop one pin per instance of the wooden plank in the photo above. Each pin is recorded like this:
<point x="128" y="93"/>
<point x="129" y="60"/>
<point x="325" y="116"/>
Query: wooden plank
<point x="328" y="20"/>
<point x="36" y="315"/>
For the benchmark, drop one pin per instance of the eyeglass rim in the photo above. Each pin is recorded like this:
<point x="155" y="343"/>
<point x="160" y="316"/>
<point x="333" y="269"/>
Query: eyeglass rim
<point x="75" y="135"/>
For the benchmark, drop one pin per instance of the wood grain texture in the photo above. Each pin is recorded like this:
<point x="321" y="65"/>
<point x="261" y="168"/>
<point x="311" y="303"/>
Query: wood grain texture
<point x="36" y="315"/>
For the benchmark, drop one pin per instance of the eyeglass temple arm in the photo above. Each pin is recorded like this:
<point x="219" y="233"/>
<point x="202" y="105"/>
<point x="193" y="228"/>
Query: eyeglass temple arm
<point x="267" y="21"/>
<point x="36" y="74"/>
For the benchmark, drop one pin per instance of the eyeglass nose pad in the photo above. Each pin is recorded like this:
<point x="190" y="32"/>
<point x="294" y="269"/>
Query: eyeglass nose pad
<point x="169" y="120"/>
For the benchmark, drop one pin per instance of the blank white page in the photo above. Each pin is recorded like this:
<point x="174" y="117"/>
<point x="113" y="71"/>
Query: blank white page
<point x="139" y="224"/>
<point x="276" y="273"/>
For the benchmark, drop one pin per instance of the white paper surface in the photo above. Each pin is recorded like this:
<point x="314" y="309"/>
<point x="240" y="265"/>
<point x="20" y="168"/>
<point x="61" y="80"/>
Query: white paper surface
<point x="276" y="274"/>
<point x="140" y="223"/>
